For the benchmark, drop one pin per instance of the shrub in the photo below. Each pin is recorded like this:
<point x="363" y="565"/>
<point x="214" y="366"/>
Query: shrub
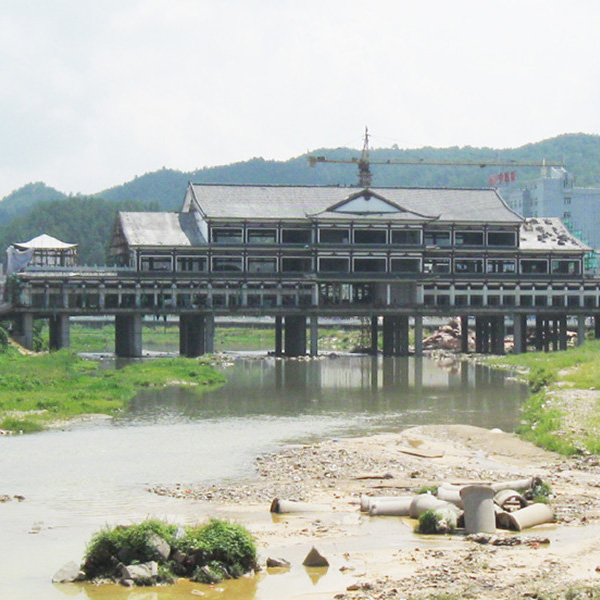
<point x="207" y="553"/>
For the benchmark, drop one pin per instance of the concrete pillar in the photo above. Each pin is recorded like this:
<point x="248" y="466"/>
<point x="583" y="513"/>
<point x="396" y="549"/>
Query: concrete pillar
<point x="128" y="336"/>
<point x="192" y="335"/>
<point x="518" y="337"/>
<point x="402" y="330"/>
<point x="418" y="335"/>
<point x="546" y="328"/>
<point x="464" y="334"/>
<point x="597" y="327"/>
<point x="498" y="333"/>
<point x="295" y="336"/>
<point x="374" y="335"/>
<point x="59" y="332"/>
<point x="209" y="333"/>
<point x="314" y="336"/>
<point x="388" y="336"/>
<point x="479" y="335"/>
<point x="23" y="330"/>
<point x="580" y="329"/>
<point x="278" y="336"/>
<point x="562" y="332"/>
<point x="539" y="333"/>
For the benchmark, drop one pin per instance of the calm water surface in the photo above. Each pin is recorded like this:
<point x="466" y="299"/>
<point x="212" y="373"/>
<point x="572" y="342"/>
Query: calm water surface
<point x="94" y="474"/>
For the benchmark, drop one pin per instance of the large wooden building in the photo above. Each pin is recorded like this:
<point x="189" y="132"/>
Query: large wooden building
<point x="356" y="251"/>
<point x="299" y="253"/>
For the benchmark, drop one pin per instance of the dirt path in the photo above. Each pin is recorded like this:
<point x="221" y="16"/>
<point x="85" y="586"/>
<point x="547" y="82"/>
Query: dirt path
<point x="337" y="472"/>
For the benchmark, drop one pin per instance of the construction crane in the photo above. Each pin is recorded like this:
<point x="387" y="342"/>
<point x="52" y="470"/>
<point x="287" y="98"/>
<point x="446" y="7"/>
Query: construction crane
<point x="365" y="177"/>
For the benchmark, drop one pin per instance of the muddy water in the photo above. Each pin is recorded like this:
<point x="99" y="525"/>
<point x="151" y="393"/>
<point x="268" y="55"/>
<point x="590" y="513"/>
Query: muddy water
<point x="78" y="480"/>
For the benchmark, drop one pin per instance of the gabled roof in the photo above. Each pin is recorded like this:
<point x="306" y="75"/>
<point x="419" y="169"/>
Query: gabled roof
<point x="367" y="203"/>
<point x="160" y="229"/>
<point x="44" y="242"/>
<point x="299" y="202"/>
<point x="549" y="234"/>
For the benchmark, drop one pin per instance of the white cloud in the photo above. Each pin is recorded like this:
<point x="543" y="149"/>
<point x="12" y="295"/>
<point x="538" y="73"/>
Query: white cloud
<point x="93" y="93"/>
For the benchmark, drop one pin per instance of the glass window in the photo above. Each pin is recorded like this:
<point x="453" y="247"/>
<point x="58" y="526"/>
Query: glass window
<point x="227" y="235"/>
<point x="468" y="238"/>
<point x="468" y="265"/>
<point x="369" y="265"/>
<point x="437" y="238"/>
<point x="370" y="236"/>
<point x="296" y="264"/>
<point x="191" y="263"/>
<point x="227" y="263"/>
<point x="296" y="236"/>
<point x="436" y="265"/>
<point x="406" y="265"/>
<point x="334" y="236"/>
<point x="406" y="237"/>
<point x="156" y="263"/>
<point x="262" y="265"/>
<point x="262" y="236"/>
<point x="534" y="266"/>
<point x="502" y="238"/>
<point x="566" y="267"/>
<point x="501" y="265"/>
<point x="334" y="265"/>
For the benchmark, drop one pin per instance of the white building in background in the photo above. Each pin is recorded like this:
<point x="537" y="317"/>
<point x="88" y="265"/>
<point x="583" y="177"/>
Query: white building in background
<point x="554" y="194"/>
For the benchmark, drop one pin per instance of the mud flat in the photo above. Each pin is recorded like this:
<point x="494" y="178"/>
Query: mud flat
<point x="336" y="473"/>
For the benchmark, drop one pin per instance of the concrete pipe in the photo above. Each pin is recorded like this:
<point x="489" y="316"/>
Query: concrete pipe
<point x="424" y="502"/>
<point x="532" y="515"/>
<point x="516" y="484"/>
<point x="367" y="501"/>
<point x="507" y="498"/>
<point x="291" y="506"/>
<point x="398" y="507"/>
<point x="480" y="516"/>
<point x="450" y="494"/>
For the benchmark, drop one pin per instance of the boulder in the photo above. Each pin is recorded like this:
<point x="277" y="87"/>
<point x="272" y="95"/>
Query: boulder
<point x="315" y="559"/>
<point x="141" y="571"/>
<point x="159" y="545"/>
<point x="278" y="562"/>
<point x="67" y="573"/>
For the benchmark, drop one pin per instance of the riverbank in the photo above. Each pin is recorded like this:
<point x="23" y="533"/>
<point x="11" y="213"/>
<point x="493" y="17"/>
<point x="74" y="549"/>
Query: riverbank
<point x="48" y="389"/>
<point x="335" y="473"/>
<point x="563" y="412"/>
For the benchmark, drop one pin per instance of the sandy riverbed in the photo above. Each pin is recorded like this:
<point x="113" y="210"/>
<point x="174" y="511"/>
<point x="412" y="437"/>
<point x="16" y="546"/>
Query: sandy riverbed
<point x="337" y="472"/>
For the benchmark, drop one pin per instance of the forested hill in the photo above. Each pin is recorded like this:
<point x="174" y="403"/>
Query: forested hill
<point x="37" y="208"/>
<point x="165" y="188"/>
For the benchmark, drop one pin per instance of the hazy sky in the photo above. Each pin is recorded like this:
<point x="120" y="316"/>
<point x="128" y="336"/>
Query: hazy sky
<point x="95" y="92"/>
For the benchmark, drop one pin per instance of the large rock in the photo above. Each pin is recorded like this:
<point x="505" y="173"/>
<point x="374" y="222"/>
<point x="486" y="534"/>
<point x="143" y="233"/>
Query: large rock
<point x="159" y="545"/>
<point x="315" y="559"/>
<point x="67" y="573"/>
<point x="141" y="571"/>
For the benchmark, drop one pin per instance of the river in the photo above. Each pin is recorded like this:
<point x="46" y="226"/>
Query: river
<point x="77" y="480"/>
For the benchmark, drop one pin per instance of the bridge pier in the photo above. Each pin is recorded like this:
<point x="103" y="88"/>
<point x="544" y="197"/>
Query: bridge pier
<point x="128" y="336"/>
<point x="314" y="336"/>
<point x="395" y="335"/>
<point x="60" y="332"/>
<point x="295" y="335"/>
<point x="278" y="336"/>
<point x="418" y="332"/>
<point x="23" y="330"/>
<point x="192" y="335"/>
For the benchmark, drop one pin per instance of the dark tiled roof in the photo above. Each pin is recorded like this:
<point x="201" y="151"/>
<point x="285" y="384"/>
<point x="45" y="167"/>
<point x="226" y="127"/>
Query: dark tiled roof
<point x="298" y="202"/>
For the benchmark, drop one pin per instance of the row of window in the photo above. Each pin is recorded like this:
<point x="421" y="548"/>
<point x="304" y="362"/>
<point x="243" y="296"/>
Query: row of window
<point x="375" y="236"/>
<point x="337" y="264"/>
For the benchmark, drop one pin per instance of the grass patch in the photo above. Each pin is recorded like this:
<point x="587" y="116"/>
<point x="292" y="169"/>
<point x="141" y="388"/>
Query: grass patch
<point x="563" y="412"/>
<point x="38" y="390"/>
<point x="208" y="553"/>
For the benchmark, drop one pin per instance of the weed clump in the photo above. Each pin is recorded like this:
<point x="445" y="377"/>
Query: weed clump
<point x="208" y="553"/>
